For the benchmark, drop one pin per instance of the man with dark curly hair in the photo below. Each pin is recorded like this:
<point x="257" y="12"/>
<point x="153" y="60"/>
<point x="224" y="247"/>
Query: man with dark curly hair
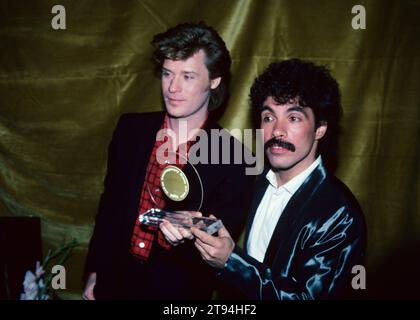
<point x="306" y="230"/>
<point x="129" y="260"/>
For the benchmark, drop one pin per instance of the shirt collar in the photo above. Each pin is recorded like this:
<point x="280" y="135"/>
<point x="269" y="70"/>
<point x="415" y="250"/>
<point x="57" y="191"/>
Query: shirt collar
<point x="294" y="184"/>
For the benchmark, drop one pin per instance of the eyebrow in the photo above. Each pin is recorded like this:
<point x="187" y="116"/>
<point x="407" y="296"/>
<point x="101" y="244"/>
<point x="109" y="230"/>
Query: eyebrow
<point x="296" y="108"/>
<point x="184" y="72"/>
<point x="266" y="108"/>
<point x="190" y="72"/>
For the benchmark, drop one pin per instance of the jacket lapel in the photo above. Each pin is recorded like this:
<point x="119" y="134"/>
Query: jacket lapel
<point x="292" y="211"/>
<point x="145" y="130"/>
<point x="260" y="187"/>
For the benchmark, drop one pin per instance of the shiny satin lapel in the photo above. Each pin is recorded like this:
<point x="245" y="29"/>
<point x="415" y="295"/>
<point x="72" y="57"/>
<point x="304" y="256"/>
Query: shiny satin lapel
<point x="294" y="208"/>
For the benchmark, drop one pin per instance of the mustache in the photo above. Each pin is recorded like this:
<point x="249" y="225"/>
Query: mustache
<point x="279" y="143"/>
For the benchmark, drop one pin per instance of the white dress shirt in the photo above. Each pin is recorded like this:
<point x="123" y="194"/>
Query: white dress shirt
<point x="270" y="209"/>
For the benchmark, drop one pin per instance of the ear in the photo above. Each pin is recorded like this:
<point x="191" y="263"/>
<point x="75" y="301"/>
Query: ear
<point x="214" y="83"/>
<point x="321" y="130"/>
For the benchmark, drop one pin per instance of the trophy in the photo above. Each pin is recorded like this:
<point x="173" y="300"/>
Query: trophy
<point x="183" y="219"/>
<point x="175" y="185"/>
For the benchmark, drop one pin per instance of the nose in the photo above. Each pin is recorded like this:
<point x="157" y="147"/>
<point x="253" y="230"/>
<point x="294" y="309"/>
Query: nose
<point x="174" y="85"/>
<point x="279" y="130"/>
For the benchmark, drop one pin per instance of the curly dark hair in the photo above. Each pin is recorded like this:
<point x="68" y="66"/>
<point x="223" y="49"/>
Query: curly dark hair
<point x="183" y="41"/>
<point x="311" y="86"/>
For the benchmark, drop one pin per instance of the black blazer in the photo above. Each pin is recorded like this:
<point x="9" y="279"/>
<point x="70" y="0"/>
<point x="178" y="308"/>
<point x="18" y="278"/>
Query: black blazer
<point x="226" y="194"/>
<point x="319" y="237"/>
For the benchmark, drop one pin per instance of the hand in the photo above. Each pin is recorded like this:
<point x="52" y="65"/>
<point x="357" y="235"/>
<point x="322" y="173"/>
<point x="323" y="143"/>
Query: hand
<point x="90" y="284"/>
<point x="176" y="235"/>
<point x="214" y="250"/>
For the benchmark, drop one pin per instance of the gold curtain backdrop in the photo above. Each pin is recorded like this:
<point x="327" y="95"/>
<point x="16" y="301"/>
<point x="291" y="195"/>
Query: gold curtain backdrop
<point x="62" y="92"/>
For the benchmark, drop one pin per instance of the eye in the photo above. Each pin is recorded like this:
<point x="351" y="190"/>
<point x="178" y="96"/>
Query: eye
<point x="165" y="74"/>
<point x="188" y="77"/>
<point x="295" y="119"/>
<point x="266" y="118"/>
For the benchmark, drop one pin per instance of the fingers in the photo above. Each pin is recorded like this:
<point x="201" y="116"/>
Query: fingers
<point x="216" y="256"/>
<point x="203" y="252"/>
<point x="192" y="213"/>
<point x="171" y="233"/>
<point x="175" y="235"/>
<point x="199" y="234"/>
<point x="196" y="213"/>
<point x="222" y="232"/>
<point x="203" y="244"/>
<point x="205" y="237"/>
<point x="88" y="294"/>
<point x="186" y="233"/>
<point x="90" y="284"/>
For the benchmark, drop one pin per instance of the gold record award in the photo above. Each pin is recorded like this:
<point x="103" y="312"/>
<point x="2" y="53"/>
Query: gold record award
<point x="174" y="183"/>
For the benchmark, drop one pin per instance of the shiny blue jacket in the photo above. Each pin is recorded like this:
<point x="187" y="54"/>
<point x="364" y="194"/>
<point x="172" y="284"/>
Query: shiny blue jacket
<point x="319" y="237"/>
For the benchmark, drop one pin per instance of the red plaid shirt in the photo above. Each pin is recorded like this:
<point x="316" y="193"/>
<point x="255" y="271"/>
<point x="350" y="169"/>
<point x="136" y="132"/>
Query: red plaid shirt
<point x="143" y="236"/>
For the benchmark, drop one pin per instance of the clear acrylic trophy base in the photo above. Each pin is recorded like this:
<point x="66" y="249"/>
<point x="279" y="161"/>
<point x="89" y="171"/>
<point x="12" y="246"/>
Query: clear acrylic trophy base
<point x="183" y="219"/>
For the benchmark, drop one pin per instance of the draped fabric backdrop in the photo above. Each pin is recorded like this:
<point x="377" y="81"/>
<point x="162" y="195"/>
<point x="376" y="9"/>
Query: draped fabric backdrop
<point x="62" y="92"/>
